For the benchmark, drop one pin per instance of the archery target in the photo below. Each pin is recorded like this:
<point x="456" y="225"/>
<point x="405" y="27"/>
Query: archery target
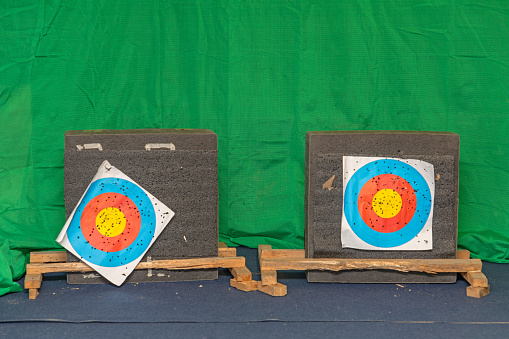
<point x="387" y="204"/>
<point x="114" y="224"/>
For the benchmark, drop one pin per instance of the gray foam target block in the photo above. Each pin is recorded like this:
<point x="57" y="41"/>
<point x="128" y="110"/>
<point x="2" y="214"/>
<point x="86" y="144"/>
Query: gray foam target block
<point x="324" y="158"/>
<point x="179" y="167"/>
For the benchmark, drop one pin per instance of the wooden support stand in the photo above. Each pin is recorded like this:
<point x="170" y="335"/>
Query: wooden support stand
<point x="47" y="262"/>
<point x="272" y="261"/>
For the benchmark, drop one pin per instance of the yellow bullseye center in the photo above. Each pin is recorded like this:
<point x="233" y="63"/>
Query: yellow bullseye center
<point x="110" y="222"/>
<point x="387" y="203"/>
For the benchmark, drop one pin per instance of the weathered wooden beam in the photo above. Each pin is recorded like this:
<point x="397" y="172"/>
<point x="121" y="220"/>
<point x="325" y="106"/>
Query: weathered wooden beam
<point x="48" y="256"/>
<point x="462" y="254"/>
<point x="224" y="251"/>
<point x="403" y="265"/>
<point x="283" y="254"/>
<point x="298" y="253"/>
<point x="61" y="256"/>
<point x="173" y="264"/>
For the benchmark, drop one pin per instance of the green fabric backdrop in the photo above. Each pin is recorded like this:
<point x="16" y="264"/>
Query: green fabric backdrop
<point x="260" y="74"/>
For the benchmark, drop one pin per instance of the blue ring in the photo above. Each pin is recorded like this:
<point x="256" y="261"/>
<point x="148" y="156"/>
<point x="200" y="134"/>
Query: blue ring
<point x="137" y="247"/>
<point x="366" y="173"/>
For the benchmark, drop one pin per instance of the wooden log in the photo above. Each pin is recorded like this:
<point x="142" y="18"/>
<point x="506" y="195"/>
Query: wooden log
<point x="277" y="290"/>
<point x="173" y="264"/>
<point x="33" y="281"/>
<point x="476" y="279"/>
<point x="403" y="265"/>
<point x="246" y="286"/>
<point x="477" y="292"/>
<point x="241" y="273"/>
<point x="32" y="293"/>
<point x="462" y="254"/>
<point x="48" y="256"/>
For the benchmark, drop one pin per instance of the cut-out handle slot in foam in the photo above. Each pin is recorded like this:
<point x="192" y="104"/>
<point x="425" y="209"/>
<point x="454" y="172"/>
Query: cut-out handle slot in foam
<point x="169" y="146"/>
<point x="90" y="146"/>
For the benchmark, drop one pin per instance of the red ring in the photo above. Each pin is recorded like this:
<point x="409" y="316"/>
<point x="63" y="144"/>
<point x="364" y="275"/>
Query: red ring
<point x="393" y="182"/>
<point x="121" y="241"/>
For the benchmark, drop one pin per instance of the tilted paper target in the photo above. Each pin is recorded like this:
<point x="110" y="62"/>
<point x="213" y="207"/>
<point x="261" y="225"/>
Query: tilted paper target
<point x="387" y="204"/>
<point x="114" y="224"/>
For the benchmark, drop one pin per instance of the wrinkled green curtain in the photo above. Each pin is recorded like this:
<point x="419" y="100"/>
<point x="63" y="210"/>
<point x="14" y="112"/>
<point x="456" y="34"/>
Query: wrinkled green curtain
<point x="260" y="74"/>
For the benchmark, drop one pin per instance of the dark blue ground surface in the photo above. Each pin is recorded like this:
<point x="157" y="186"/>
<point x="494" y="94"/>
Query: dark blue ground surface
<point x="214" y="309"/>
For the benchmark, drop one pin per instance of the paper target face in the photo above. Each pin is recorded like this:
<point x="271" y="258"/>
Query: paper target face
<point x="106" y="227"/>
<point x="387" y="204"/>
<point x="114" y="224"/>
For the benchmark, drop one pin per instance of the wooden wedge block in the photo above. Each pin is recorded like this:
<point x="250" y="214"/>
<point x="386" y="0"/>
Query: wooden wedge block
<point x="477" y="292"/>
<point x="32" y="293"/>
<point x="245" y="286"/>
<point x="33" y="281"/>
<point x="48" y="256"/>
<point x="476" y="279"/>
<point x="277" y="290"/>
<point x="241" y="273"/>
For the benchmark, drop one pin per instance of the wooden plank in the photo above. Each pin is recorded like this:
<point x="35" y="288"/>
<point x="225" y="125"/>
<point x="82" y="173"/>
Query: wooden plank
<point x="32" y="293"/>
<point x="241" y="273"/>
<point x="476" y="279"/>
<point x="462" y="254"/>
<point x="283" y="254"/>
<point x="477" y="292"/>
<point x="245" y="286"/>
<point x="61" y="256"/>
<point x="227" y="252"/>
<point x="173" y="264"/>
<point x="403" y="265"/>
<point x="33" y="281"/>
<point x="298" y="253"/>
<point x="277" y="290"/>
<point x="48" y="256"/>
